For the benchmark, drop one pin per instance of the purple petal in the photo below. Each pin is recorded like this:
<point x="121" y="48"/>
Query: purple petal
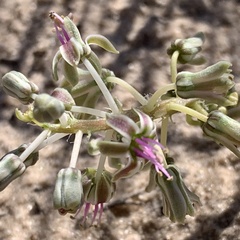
<point x="124" y="125"/>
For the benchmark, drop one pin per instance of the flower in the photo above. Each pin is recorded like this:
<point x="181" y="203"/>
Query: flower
<point x="47" y="108"/>
<point x="138" y="141"/>
<point x="11" y="167"/>
<point x="188" y="49"/>
<point x="178" y="200"/>
<point x="214" y="84"/>
<point x="68" y="38"/>
<point x="68" y="191"/>
<point x="16" y="85"/>
<point x="97" y="191"/>
<point x="223" y="130"/>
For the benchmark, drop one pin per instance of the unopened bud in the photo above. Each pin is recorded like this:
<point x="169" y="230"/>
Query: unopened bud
<point x="68" y="192"/>
<point x="64" y="96"/>
<point x="188" y="49"/>
<point x="47" y="108"/>
<point x="16" y="85"/>
<point x="224" y="130"/>
<point x="31" y="159"/>
<point x="212" y="84"/>
<point x="11" y="167"/>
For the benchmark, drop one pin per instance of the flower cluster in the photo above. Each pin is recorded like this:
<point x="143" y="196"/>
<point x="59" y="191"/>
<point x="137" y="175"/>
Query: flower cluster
<point x="129" y="137"/>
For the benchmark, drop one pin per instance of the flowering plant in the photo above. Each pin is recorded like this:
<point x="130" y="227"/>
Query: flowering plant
<point x="130" y="141"/>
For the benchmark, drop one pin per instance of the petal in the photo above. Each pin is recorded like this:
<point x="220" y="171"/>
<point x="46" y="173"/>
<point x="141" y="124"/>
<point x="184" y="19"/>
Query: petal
<point x="123" y="125"/>
<point x="102" y="42"/>
<point x="113" y="149"/>
<point x="146" y="124"/>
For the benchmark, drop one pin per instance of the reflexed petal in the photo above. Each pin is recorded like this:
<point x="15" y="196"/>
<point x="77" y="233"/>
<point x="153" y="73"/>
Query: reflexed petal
<point x="124" y="125"/>
<point x="102" y="42"/>
<point x="146" y="123"/>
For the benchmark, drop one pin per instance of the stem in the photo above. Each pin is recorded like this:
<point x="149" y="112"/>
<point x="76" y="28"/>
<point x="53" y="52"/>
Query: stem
<point x="173" y="66"/>
<point x="186" y="110"/>
<point x="102" y="159"/>
<point x="164" y="130"/>
<point x="139" y="97"/>
<point x="158" y="94"/>
<point x="91" y="111"/>
<point x="34" y="145"/>
<point x="76" y="149"/>
<point x="101" y="85"/>
<point x="55" y="137"/>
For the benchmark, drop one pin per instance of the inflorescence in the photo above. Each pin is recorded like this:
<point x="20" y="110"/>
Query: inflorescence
<point x="130" y="144"/>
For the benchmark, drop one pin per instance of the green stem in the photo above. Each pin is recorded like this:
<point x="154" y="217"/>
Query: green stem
<point x="102" y="159"/>
<point x="158" y="94"/>
<point x="139" y="97"/>
<point x="101" y="86"/>
<point x="164" y="130"/>
<point x="76" y="149"/>
<point x="173" y="66"/>
<point x="186" y="110"/>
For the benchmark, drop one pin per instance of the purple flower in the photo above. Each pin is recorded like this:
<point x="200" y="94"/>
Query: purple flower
<point x="96" y="193"/>
<point x="138" y="140"/>
<point x="70" y="48"/>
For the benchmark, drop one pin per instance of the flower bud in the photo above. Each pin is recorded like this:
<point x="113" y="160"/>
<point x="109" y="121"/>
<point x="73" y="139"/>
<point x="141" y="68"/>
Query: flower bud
<point x="11" y="167"/>
<point x="47" y="108"/>
<point x="64" y="96"/>
<point x="30" y="160"/>
<point x="224" y="130"/>
<point x="188" y="49"/>
<point x="178" y="200"/>
<point x="16" y="85"/>
<point x="68" y="192"/>
<point x="213" y="84"/>
<point x="97" y="191"/>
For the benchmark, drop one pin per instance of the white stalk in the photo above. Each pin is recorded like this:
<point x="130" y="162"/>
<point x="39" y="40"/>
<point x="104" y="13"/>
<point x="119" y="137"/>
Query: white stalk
<point x="101" y="86"/>
<point x="91" y="111"/>
<point x="32" y="147"/>
<point x="76" y="149"/>
<point x="55" y="137"/>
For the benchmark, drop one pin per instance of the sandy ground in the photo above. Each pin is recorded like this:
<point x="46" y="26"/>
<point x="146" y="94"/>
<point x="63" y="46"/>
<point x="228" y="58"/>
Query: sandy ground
<point x="142" y="31"/>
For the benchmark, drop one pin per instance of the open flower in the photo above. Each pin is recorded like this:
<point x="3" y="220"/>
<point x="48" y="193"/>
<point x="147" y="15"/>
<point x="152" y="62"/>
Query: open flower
<point x="97" y="191"/>
<point x="178" y="200"/>
<point x="138" y="143"/>
<point x="68" y="37"/>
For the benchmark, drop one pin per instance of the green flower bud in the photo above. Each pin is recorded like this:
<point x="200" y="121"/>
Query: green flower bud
<point x="30" y="160"/>
<point x="178" y="200"/>
<point x="11" y="167"/>
<point x="212" y="84"/>
<point x="64" y="96"/>
<point x="224" y="130"/>
<point x="47" y="108"/>
<point x="188" y="49"/>
<point x="97" y="191"/>
<point x="68" y="191"/>
<point x="16" y="85"/>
